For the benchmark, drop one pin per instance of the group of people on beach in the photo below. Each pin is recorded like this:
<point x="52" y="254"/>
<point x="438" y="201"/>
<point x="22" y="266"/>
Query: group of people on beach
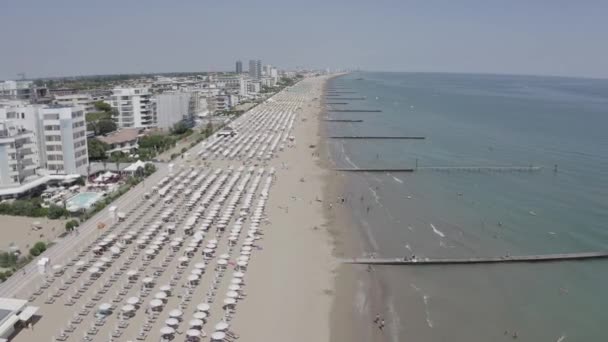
<point x="379" y="322"/>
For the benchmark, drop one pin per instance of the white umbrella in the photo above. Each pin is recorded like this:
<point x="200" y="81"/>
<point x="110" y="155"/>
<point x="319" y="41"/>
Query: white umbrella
<point x="232" y="294"/>
<point x="222" y="262"/>
<point x="238" y="274"/>
<point x="105" y="307"/>
<point x="105" y="260"/>
<point x="132" y="300"/>
<point x="128" y="308"/>
<point x="165" y="288"/>
<point x="172" y="322"/>
<point x="200" y="315"/>
<point x="203" y="307"/>
<point x="176" y="313"/>
<point x="246" y="248"/>
<point x="167" y="331"/>
<point x="221" y="326"/>
<point x="183" y="259"/>
<point x="224" y="256"/>
<point x="147" y="280"/>
<point x="193" y="333"/>
<point x="98" y="264"/>
<point x="229" y="301"/>
<point x="199" y="265"/>
<point x="196" y="271"/>
<point x="160" y="295"/>
<point x="234" y="287"/>
<point x="192" y="277"/>
<point x="218" y="336"/>
<point x="196" y="323"/>
<point x="236" y="281"/>
<point x="131" y="273"/>
<point x="93" y="270"/>
<point x="156" y="303"/>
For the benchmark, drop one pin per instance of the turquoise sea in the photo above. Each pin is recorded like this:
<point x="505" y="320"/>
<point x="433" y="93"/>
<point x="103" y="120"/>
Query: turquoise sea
<point x="482" y="120"/>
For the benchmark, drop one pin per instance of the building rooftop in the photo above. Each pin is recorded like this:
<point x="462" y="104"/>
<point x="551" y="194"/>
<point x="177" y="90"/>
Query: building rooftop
<point x="120" y="136"/>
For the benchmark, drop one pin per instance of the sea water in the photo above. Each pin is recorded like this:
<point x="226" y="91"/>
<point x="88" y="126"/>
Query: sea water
<point x="560" y="124"/>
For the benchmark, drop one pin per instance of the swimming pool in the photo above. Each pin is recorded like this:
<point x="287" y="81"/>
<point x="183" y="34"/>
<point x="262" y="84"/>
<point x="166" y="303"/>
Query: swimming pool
<point x="83" y="200"/>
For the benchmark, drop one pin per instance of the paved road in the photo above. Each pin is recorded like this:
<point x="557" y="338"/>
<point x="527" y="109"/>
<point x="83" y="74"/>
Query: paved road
<point x="87" y="231"/>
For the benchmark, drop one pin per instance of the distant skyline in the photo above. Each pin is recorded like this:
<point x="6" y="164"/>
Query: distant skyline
<point x="71" y="38"/>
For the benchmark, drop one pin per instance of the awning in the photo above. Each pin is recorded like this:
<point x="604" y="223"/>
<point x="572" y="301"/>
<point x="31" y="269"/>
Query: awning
<point x="28" y="312"/>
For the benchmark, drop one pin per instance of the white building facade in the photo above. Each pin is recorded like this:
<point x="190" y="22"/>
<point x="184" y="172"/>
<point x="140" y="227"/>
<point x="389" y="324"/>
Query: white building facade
<point x="134" y="107"/>
<point x="18" y="153"/>
<point x="63" y="133"/>
<point x="75" y="100"/>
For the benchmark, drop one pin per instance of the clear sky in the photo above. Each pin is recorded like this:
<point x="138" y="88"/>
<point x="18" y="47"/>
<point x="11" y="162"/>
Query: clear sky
<point x="76" y="37"/>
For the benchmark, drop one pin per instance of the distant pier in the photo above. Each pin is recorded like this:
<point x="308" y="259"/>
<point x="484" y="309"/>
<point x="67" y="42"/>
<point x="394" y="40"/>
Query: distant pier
<point x="344" y="98"/>
<point x="336" y="103"/>
<point x="486" y="260"/>
<point x="376" y="137"/>
<point x="355" y="110"/>
<point x="448" y="168"/>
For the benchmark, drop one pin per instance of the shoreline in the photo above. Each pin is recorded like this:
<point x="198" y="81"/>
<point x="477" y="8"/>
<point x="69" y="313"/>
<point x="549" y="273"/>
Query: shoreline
<point x="358" y="294"/>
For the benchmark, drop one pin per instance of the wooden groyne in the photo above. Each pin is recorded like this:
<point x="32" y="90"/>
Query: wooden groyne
<point x="486" y="260"/>
<point x="449" y="168"/>
<point x="355" y="110"/>
<point x="376" y="137"/>
<point x="342" y="120"/>
<point x="344" y="98"/>
<point x="352" y="169"/>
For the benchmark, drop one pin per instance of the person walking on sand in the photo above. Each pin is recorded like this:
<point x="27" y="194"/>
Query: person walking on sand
<point x="381" y="326"/>
<point x="377" y="319"/>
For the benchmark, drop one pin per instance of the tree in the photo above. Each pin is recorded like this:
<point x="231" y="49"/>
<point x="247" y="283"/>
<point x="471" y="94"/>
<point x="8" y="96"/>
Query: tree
<point x="149" y="169"/>
<point x="102" y="106"/>
<point x="179" y="128"/>
<point x="97" y="149"/>
<point x="38" y="248"/>
<point x="70" y="225"/>
<point x="56" y="212"/>
<point x="105" y="126"/>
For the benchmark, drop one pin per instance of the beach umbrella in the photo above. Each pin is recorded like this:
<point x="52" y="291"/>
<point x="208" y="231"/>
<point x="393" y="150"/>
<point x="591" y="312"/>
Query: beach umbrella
<point x="132" y="300"/>
<point x="193" y="277"/>
<point x="232" y="294"/>
<point x="93" y="270"/>
<point x="199" y="315"/>
<point x="156" y="303"/>
<point x="221" y="326"/>
<point x="224" y="256"/>
<point x="234" y="287"/>
<point x="218" y="336"/>
<point x="199" y="265"/>
<point x="193" y="333"/>
<point x="172" y="322"/>
<point x="236" y="281"/>
<point x="148" y="280"/>
<point x="128" y="308"/>
<point x="104" y="307"/>
<point x="222" y="262"/>
<point x="167" y="331"/>
<point x="203" y="307"/>
<point x="160" y="295"/>
<point x="196" y="323"/>
<point x="197" y="271"/>
<point x="229" y="301"/>
<point x="98" y="264"/>
<point x="131" y="273"/>
<point x="238" y="274"/>
<point x="176" y="313"/>
<point x="165" y="288"/>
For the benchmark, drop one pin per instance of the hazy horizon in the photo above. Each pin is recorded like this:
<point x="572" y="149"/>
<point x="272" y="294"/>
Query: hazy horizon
<point x="67" y="38"/>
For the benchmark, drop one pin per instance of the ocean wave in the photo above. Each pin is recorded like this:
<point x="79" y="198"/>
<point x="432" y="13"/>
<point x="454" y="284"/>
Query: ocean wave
<point x="397" y="180"/>
<point x="437" y="231"/>
<point x="429" y="322"/>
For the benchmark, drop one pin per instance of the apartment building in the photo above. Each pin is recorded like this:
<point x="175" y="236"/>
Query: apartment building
<point x="75" y="100"/>
<point x="18" y="153"/>
<point x="62" y="131"/>
<point x="134" y="107"/>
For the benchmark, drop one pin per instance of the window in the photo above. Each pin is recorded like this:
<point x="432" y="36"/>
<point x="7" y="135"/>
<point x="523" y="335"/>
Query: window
<point x="52" y="128"/>
<point x="51" y="116"/>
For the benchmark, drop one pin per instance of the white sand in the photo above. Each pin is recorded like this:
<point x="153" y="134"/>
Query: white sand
<point x="18" y="230"/>
<point x="291" y="281"/>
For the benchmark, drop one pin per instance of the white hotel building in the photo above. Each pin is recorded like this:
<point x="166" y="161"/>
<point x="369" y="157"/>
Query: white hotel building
<point x="64" y="139"/>
<point x="134" y="108"/>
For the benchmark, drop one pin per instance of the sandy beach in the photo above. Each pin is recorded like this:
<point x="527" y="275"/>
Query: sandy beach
<point x="18" y="231"/>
